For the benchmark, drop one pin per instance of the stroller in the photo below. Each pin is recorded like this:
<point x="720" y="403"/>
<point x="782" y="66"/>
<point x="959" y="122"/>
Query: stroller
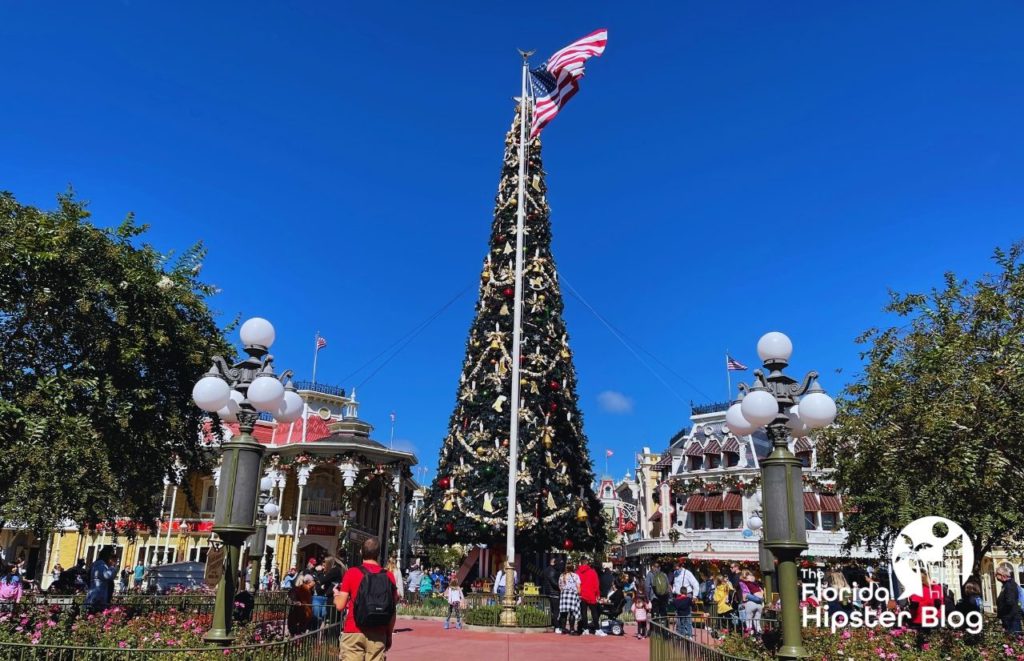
<point x="608" y="618"/>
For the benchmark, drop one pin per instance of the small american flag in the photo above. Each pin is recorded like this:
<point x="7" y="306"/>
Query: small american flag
<point x="733" y="365"/>
<point x="320" y="343"/>
<point x="556" y="81"/>
<point x="608" y="453"/>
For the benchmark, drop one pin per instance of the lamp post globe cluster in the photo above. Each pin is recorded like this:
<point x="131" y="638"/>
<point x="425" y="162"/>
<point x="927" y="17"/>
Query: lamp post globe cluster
<point x="786" y="408"/>
<point x="239" y="393"/>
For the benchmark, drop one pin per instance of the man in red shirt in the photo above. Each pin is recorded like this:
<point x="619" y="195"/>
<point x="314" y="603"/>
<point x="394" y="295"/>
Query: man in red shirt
<point x="590" y="592"/>
<point x="373" y="643"/>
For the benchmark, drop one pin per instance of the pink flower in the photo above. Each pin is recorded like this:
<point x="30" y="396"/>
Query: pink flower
<point x="926" y="646"/>
<point x="846" y="634"/>
<point x="122" y="644"/>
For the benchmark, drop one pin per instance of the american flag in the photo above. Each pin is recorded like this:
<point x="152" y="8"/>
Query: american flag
<point x="733" y="365"/>
<point x="320" y="343"/>
<point x="608" y="453"/>
<point x="556" y="81"/>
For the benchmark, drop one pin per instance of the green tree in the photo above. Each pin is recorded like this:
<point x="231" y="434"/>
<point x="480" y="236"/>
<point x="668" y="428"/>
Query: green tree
<point x="101" y="340"/>
<point x="935" y="425"/>
<point x="468" y="500"/>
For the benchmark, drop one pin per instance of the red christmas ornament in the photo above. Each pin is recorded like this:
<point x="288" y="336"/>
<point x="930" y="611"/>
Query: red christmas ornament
<point x="629" y="527"/>
<point x="554" y="385"/>
<point x="552" y="407"/>
<point x="444" y="483"/>
<point x="567" y="545"/>
<point x="449" y="528"/>
<point x="509" y="292"/>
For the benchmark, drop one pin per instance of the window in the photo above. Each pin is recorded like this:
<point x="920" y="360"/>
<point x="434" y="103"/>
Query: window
<point x="732" y="459"/>
<point x="735" y="520"/>
<point x="805" y="458"/>
<point x="607" y="492"/>
<point x="698" y="520"/>
<point x="829" y="521"/>
<point x="714" y="460"/>
<point x="810" y="520"/>
<point x="717" y="520"/>
<point x="696" y="463"/>
<point x="209" y="498"/>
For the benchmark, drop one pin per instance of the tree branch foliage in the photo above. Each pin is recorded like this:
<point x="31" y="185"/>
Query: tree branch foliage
<point x="101" y="340"/>
<point x="935" y="425"/>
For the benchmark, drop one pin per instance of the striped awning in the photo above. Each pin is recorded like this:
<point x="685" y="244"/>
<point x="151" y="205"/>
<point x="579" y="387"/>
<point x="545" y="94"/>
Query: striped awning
<point x="731" y="445"/>
<point x="713" y="448"/>
<point x="811" y="502"/>
<point x="733" y="502"/>
<point x="694" y="503"/>
<point x="802" y="445"/>
<point x="714" y="503"/>
<point x="664" y="462"/>
<point x="694" y="450"/>
<point x="830" y="503"/>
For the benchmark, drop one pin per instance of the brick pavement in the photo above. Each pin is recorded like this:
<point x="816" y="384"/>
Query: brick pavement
<point x="426" y="640"/>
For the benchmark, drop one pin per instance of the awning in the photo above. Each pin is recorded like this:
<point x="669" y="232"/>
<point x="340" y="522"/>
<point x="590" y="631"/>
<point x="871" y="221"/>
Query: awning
<point x="802" y="445"/>
<point x="713" y="448"/>
<point x="731" y="445"/>
<point x="733" y="502"/>
<point x="811" y="502"/>
<point x="830" y="503"/>
<point x="714" y="503"/>
<point x="694" y="503"/>
<point x="694" y="450"/>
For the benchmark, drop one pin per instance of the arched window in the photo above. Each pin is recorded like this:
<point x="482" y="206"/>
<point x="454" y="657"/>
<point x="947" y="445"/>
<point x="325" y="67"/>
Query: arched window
<point x="805" y="458"/>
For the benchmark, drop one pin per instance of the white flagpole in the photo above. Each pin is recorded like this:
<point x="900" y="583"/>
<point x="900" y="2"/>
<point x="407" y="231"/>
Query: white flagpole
<point x="517" y="321"/>
<point x="316" y="353"/>
<point x="728" y="379"/>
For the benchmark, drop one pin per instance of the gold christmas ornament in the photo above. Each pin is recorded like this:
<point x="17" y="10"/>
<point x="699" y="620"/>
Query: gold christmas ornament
<point x="488" y="507"/>
<point x="551" y="501"/>
<point x="481" y="451"/>
<point x="504" y="310"/>
<point x="449" y="505"/>
<point x="581" y="514"/>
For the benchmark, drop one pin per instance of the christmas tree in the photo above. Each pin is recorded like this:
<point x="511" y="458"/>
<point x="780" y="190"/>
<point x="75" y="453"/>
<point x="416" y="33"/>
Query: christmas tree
<point x="555" y="506"/>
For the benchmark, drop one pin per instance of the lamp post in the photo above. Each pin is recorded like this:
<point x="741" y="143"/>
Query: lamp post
<point x="259" y="537"/>
<point x="785" y="407"/>
<point x="239" y="393"/>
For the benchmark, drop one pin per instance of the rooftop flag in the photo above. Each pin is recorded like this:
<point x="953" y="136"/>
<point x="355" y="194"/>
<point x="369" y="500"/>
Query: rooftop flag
<point x="556" y="81"/>
<point x="734" y="365"/>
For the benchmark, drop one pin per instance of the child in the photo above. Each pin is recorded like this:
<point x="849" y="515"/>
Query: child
<point x="569" y="599"/>
<point x="426" y="586"/>
<point x="454" y="596"/>
<point x="640" y="609"/>
<point x="683" y="603"/>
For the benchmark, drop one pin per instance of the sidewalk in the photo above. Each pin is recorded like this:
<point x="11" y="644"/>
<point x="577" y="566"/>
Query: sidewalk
<point x="426" y="640"/>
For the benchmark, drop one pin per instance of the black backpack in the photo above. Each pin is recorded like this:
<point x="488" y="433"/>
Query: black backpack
<point x="375" y="600"/>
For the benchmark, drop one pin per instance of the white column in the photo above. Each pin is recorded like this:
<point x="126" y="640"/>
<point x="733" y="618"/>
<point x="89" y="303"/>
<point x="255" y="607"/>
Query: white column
<point x="303" y="476"/>
<point x="400" y="541"/>
<point x="170" y="524"/>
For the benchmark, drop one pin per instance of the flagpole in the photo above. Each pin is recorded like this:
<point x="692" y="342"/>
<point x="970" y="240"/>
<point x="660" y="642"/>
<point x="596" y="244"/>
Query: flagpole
<point x="316" y="354"/>
<point x="728" y="378"/>
<point x="509" y="612"/>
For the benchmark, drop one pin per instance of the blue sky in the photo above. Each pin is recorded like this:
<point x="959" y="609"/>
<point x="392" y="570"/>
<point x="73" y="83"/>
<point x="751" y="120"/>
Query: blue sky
<point x="727" y="169"/>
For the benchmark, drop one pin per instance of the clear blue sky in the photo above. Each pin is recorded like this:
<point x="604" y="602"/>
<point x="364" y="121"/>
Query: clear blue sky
<point x="728" y="168"/>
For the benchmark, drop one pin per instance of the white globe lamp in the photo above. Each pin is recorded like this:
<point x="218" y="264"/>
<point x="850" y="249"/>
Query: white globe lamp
<point x="291" y="407"/>
<point x="257" y="332"/>
<point x="797" y="427"/>
<point x="211" y="393"/>
<point x="759" y="407"/>
<point x="229" y="413"/>
<point x="266" y="393"/>
<point x="271" y="509"/>
<point x="817" y="409"/>
<point x="755" y="523"/>
<point x="774" y="346"/>
<point x="266" y="484"/>
<point x="736" y="422"/>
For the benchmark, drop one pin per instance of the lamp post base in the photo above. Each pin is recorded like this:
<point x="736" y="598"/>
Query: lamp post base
<point x="508" y="616"/>
<point x="792" y="640"/>
<point x="220" y="631"/>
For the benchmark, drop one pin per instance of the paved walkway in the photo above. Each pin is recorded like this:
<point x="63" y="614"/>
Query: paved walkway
<point x="426" y="640"/>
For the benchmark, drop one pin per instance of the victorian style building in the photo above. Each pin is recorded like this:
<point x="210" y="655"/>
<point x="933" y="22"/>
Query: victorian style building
<point x="699" y="496"/>
<point x="334" y="485"/>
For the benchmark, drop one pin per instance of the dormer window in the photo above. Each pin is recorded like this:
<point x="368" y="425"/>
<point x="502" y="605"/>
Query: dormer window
<point x="805" y="458"/>
<point x="696" y="463"/>
<point x="732" y="459"/>
<point x="714" y="460"/>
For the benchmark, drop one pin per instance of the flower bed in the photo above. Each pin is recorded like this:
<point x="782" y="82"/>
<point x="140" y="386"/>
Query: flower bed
<point x="889" y="645"/>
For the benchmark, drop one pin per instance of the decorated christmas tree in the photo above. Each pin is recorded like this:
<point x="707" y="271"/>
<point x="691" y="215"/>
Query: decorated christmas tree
<point x="555" y="506"/>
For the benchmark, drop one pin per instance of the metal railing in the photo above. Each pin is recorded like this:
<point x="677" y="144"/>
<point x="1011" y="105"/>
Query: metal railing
<point x="320" y="506"/>
<point x="668" y="645"/>
<point x="322" y="388"/>
<point x="322" y="644"/>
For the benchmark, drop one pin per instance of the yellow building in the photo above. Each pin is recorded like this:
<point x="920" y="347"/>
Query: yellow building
<point x="334" y="484"/>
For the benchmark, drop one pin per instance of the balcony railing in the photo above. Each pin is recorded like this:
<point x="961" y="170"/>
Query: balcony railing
<point x="320" y="506"/>
<point x="322" y="388"/>
<point x="714" y="407"/>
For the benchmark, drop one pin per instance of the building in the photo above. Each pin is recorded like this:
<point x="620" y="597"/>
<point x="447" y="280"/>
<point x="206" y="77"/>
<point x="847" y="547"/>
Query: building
<point x="698" y="496"/>
<point x="334" y="484"/>
<point x="619" y="503"/>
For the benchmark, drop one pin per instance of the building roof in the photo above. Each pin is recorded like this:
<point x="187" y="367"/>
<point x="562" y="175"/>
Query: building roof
<point x="802" y="444"/>
<point x="695" y="450"/>
<point x="665" y="461"/>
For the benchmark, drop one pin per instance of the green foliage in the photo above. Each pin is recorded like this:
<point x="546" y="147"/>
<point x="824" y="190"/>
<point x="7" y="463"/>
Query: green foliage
<point x="934" y="426"/>
<point x="554" y="472"/>
<point x="445" y="557"/>
<point x="101" y="340"/>
<point x="490" y="616"/>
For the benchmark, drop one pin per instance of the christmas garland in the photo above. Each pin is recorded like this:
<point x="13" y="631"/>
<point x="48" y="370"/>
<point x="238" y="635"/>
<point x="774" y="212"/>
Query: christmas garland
<point x="819" y="484"/>
<point x="692" y="485"/>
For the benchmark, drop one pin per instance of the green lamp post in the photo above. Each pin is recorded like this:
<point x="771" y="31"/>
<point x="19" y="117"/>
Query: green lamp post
<point x="786" y="408"/>
<point x="239" y="393"/>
